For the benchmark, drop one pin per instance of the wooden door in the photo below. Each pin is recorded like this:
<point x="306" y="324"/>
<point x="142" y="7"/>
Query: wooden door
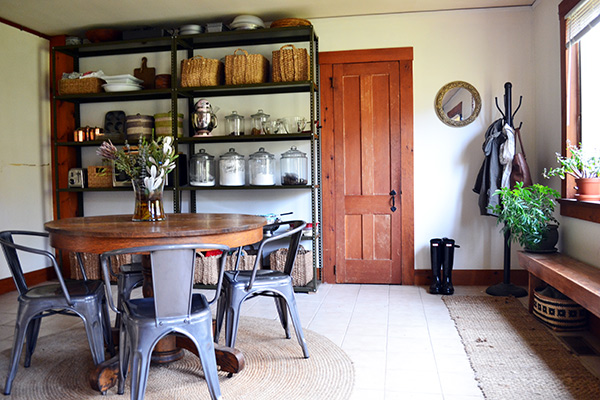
<point x="368" y="177"/>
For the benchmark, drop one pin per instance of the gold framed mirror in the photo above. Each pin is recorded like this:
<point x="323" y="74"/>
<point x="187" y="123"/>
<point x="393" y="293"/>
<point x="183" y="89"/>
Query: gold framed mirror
<point x="457" y="104"/>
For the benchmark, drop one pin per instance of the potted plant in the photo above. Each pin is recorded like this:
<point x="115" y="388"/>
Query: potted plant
<point x="584" y="166"/>
<point x="527" y="213"/>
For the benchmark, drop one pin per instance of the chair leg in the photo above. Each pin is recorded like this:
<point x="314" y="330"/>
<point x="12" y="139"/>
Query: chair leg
<point x="92" y="320"/>
<point x="124" y="348"/>
<point x="232" y="315"/>
<point x="19" y="339"/>
<point x="139" y="374"/>
<point x="280" y="303"/>
<point x="108" y="337"/>
<point x="206" y="353"/>
<point x="220" y="316"/>
<point x="33" y="330"/>
<point x="293" y="309"/>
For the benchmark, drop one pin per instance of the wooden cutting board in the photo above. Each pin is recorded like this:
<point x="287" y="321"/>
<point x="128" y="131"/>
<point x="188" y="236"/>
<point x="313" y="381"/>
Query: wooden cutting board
<point x="146" y="74"/>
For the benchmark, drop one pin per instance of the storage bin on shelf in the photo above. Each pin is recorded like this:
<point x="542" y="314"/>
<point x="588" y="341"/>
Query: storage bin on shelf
<point x="200" y="71"/>
<point x="558" y="312"/>
<point x="245" y="68"/>
<point x="80" y="86"/>
<point x="99" y="176"/>
<point x="206" y="271"/>
<point x="92" y="267"/>
<point x="303" y="271"/>
<point x="290" y="64"/>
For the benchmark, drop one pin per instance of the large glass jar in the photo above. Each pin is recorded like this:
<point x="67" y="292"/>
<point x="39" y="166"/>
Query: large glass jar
<point x="262" y="168"/>
<point x="235" y="124"/>
<point x="257" y="122"/>
<point x="202" y="169"/>
<point x="294" y="167"/>
<point x="232" y="169"/>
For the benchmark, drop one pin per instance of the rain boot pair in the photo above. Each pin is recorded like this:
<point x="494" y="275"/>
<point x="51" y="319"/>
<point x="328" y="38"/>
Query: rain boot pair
<point x="442" y="257"/>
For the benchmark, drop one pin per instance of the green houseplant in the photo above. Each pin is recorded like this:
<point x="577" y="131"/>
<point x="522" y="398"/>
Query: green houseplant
<point x="527" y="214"/>
<point x="584" y="166"/>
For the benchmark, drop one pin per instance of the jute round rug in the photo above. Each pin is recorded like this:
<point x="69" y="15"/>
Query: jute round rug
<point x="275" y="369"/>
<point x="515" y="356"/>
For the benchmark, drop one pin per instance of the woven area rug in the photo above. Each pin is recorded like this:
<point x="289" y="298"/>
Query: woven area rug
<point x="275" y="369"/>
<point x="514" y="356"/>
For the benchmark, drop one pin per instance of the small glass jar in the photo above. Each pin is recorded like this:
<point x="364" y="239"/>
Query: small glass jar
<point x="262" y="168"/>
<point x="202" y="169"/>
<point x="232" y="169"/>
<point x="257" y="122"/>
<point x="294" y="167"/>
<point x="235" y="124"/>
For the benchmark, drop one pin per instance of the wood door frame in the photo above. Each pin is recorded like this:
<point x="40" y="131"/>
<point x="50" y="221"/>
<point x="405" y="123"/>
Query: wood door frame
<point x="404" y="57"/>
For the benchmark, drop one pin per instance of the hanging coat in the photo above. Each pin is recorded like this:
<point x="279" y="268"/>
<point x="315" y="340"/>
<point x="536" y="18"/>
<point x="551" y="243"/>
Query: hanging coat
<point x="507" y="153"/>
<point x="489" y="178"/>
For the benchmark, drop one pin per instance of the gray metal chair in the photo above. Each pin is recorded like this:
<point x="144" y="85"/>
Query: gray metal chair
<point x="238" y="286"/>
<point x="85" y="299"/>
<point x="173" y="309"/>
<point x="129" y="277"/>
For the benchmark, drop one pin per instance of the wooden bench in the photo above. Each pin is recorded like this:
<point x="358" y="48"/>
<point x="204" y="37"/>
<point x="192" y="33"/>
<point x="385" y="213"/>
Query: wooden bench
<point x="575" y="279"/>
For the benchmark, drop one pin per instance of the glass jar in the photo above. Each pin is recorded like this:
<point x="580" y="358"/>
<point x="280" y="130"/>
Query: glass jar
<point x="235" y="124"/>
<point x="294" y="167"/>
<point x="262" y="168"/>
<point x="202" y="169"/>
<point x="232" y="169"/>
<point x="257" y="122"/>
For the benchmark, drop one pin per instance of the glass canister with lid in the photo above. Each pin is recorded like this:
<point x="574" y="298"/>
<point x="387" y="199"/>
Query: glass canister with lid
<point x="202" y="169"/>
<point x="235" y="124"/>
<point x="257" y="122"/>
<point x="294" y="167"/>
<point x="262" y="168"/>
<point x="232" y="169"/>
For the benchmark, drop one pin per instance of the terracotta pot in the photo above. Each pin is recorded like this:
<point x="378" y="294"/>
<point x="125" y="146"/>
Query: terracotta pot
<point x="588" y="189"/>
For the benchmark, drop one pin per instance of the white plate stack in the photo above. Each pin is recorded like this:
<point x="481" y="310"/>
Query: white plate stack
<point x="122" y="83"/>
<point x="247" y="22"/>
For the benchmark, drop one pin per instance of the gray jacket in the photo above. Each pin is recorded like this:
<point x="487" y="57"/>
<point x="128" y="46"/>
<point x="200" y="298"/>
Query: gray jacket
<point x="490" y="175"/>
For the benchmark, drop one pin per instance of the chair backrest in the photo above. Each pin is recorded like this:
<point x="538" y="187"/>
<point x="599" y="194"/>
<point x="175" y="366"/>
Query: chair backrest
<point x="294" y="233"/>
<point x="10" y="252"/>
<point x="172" y="276"/>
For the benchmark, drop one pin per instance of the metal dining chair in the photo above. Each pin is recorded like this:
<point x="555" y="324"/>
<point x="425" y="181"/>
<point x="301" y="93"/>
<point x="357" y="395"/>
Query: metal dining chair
<point x="239" y="286"/>
<point x="129" y="277"/>
<point x="83" y="298"/>
<point x="175" y="308"/>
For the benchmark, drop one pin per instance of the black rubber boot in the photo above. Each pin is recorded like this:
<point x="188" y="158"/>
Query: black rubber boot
<point x="448" y="246"/>
<point x="437" y="254"/>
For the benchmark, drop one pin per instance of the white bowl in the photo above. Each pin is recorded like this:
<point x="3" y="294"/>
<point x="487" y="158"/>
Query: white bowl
<point x="248" y="19"/>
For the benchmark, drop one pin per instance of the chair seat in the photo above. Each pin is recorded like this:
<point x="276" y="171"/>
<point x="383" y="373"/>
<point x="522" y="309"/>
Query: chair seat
<point x="264" y="277"/>
<point x="75" y="288"/>
<point x="143" y="309"/>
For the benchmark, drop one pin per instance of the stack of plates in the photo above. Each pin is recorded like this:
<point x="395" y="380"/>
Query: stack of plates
<point x="122" y="83"/>
<point x="190" y="29"/>
<point x="247" y="22"/>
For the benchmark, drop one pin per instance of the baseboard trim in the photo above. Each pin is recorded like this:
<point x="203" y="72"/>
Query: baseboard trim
<point x="474" y="277"/>
<point x="33" y="278"/>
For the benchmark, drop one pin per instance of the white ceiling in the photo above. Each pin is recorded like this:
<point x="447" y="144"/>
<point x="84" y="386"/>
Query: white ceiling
<point x="74" y="17"/>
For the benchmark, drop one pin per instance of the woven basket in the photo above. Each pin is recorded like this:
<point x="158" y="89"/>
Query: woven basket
<point x="290" y="64"/>
<point x="206" y="271"/>
<point x="245" y="68"/>
<point x="559" y="314"/>
<point x="280" y="23"/>
<point x="303" y="266"/>
<point x="80" y="86"/>
<point x="91" y="265"/>
<point x="99" y="176"/>
<point x="200" y="71"/>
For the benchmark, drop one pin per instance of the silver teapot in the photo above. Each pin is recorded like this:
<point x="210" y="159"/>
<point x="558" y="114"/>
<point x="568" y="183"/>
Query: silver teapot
<point x="204" y="118"/>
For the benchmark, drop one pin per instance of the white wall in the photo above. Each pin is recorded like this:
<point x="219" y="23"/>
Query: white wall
<point x="25" y="174"/>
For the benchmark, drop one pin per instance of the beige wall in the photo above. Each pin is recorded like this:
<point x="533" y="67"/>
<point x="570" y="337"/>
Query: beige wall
<point x="25" y="199"/>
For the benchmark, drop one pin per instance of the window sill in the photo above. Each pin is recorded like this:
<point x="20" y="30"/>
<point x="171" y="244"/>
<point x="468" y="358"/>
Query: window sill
<point x="585" y="210"/>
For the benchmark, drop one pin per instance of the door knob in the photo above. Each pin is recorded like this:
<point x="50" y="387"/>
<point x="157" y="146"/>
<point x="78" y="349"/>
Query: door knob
<point x="393" y="194"/>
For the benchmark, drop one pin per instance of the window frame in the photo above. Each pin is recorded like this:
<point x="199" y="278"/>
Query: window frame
<point x="571" y="125"/>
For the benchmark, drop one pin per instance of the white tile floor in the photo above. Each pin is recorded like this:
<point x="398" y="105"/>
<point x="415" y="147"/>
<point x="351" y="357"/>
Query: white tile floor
<point x="401" y="339"/>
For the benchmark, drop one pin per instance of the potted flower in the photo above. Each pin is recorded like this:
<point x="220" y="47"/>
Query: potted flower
<point x="527" y="213"/>
<point x="147" y="167"/>
<point x="584" y="166"/>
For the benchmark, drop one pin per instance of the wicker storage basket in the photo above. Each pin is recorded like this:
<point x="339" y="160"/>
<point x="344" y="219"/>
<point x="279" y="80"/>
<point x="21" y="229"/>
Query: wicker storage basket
<point x="99" y="176"/>
<point x="200" y="71"/>
<point x="290" y="64"/>
<point x="245" y="68"/>
<point x="559" y="314"/>
<point x="207" y="267"/>
<point x="91" y="265"/>
<point x="303" y="266"/>
<point x="80" y="86"/>
<point x="285" y="22"/>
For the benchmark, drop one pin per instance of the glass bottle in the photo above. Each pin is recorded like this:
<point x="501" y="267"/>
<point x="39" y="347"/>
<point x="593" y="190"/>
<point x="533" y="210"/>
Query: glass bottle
<point x="257" y="122"/>
<point x="232" y="169"/>
<point x="202" y="169"/>
<point x="294" y="167"/>
<point x="235" y="124"/>
<point x="262" y="168"/>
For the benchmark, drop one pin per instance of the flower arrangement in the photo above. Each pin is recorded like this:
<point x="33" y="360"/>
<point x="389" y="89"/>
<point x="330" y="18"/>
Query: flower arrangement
<point x="151" y="163"/>
<point x="580" y="164"/>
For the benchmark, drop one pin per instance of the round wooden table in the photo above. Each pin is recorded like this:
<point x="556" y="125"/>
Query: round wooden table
<point x="109" y="232"/>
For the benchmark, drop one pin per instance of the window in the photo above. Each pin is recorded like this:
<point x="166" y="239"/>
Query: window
<point x="580" y="61"/>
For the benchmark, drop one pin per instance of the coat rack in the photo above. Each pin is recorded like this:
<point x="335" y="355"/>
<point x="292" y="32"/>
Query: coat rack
<point x="505" y="288"/>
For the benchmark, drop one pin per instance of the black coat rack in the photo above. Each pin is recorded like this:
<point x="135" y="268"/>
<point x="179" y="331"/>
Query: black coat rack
<point x="505" y="288"/>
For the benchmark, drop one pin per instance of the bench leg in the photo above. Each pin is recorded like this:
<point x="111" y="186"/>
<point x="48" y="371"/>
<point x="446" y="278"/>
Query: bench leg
<point x="534" y="282"/>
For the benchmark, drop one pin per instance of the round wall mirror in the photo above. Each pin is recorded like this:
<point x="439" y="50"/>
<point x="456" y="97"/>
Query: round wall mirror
<point x="457" y="104"/>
